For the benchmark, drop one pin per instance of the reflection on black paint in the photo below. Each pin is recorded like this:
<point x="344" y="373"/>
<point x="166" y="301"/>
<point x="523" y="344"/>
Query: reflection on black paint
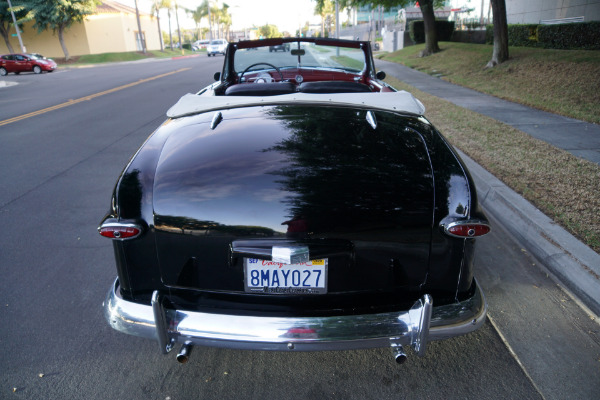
<point x="192" y="226"/>
<point x="344" y="174"/>
<point x="321" y="176"/>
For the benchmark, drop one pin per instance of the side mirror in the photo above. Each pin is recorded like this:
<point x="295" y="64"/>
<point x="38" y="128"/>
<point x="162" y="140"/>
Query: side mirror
<point x="380" y="75"/>
<point x="217" y="76"/>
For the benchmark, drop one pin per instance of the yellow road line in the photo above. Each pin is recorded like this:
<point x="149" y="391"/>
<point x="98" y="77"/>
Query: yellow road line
<point x="86" y="98"/>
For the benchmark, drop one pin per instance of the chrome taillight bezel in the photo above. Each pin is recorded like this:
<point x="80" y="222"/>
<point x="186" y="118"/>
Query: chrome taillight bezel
<point x="472" y="233"/>
<point x="117" y="227"/>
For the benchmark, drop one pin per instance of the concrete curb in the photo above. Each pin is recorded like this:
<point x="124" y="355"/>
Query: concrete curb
<point x="574" y="264"/>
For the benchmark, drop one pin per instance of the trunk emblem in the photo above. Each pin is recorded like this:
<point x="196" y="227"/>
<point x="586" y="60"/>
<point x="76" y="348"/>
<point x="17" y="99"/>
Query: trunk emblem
<point x="290" y="254"/>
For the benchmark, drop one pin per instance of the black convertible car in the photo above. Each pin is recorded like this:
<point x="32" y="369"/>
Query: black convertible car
<point x="295" y="204"/>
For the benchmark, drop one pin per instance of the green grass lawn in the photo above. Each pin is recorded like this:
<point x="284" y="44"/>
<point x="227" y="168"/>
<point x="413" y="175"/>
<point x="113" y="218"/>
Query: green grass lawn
<point x="349" y="62"/>
<point x="126" y="56"/>
<point x="565" y="82"/>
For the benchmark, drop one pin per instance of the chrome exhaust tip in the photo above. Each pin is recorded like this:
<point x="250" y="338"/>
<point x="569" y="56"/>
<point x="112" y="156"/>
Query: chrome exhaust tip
<point x="399" y="354"/>
<point x="184" y="354"/>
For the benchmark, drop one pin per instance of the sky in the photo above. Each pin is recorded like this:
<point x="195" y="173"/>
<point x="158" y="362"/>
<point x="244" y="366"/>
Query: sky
<point x="287" y="15"/>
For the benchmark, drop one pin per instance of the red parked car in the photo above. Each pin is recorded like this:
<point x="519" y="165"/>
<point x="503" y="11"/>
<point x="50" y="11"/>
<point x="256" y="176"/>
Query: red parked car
<point x="18" y="63"/>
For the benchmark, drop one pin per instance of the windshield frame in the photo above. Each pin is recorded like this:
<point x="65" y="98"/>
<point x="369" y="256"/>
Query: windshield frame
<point x="231" y="73"/>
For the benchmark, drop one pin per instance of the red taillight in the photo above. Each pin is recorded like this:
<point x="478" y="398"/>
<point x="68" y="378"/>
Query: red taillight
<point x="115" y="231"/>
<point x="467" y="229"/>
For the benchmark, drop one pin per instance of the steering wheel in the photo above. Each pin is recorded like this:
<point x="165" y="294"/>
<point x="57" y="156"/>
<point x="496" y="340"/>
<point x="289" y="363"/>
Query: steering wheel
<point x="261" y="63"/>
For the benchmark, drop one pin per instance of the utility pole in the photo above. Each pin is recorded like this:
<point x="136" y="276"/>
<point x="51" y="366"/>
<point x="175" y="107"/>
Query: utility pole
<point x="16" y="27"/>
<point x="140" y="33"/>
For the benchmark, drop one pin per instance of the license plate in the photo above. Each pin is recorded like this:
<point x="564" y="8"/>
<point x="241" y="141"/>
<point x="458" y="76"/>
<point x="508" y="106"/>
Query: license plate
<point x="264" y="276"/>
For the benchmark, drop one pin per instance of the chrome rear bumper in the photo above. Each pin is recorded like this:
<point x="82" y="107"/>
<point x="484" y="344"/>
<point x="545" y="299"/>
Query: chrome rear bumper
<point x="414" y="327"/>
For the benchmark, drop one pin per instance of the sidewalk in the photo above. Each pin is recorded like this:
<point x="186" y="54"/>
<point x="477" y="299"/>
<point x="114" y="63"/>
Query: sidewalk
<point x="577" y="137"/>
<point x="572" y="262"/>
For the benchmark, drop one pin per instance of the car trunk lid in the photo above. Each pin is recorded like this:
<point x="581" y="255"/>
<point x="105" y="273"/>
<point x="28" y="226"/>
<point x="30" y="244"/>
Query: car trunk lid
<point x="321" y="179"/>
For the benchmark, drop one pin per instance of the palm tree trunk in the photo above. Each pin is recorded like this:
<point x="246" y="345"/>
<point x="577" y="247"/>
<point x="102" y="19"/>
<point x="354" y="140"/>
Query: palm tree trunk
<point x="170" y="31"/>
<point x="178" y="29"/>
<point x="162" y="46"/>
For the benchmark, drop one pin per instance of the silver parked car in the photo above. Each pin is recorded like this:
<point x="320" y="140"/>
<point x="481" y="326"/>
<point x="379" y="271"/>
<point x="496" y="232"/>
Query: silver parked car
<point x="217" y="46"/>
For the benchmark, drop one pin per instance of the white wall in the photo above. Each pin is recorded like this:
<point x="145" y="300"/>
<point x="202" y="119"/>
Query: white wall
<point x="533" y="11"/>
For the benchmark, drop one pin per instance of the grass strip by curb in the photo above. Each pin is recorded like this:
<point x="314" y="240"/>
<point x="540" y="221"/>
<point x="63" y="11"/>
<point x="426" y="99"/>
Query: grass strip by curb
<point x="564" y="187"/>
<point x="120" y="57"/>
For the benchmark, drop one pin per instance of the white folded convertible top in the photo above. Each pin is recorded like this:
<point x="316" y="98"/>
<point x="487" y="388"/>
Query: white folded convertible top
<point x="401" y="101"/>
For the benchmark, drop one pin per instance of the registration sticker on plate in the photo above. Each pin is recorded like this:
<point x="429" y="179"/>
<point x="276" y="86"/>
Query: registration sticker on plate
<point x="264" y="276"/>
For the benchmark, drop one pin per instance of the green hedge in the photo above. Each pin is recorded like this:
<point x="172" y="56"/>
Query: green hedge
<point x="583" y="36"/>
<point x="522" y="35"/>
<point x="444" y="30"/>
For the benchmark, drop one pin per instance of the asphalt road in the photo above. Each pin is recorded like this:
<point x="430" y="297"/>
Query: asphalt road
<point x="58" y="168"/>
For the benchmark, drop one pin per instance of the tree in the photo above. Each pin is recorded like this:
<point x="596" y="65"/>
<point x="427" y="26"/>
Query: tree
<point x="6" y="21"/>
<point x="156" y="7"/>
<point x="178" y="29"/>
<point x="205" y="10"/>
<point x="325" y="9"/>
<point x="431" y="41"/>
<point x="427" y="9"/>
<point x="500" y="52"/>
<point x="59" y="15"/>
<point x="199" y="14"/>
<point x="225" y="20"/>
<point x="169" y="8"/>
<point x="268" y="31"/>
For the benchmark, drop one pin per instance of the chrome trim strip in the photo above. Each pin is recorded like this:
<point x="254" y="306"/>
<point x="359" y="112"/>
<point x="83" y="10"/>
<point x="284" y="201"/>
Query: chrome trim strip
<point x="408" y="328"/>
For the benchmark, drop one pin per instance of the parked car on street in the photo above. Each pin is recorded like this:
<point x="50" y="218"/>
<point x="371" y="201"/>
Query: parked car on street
<point x="282" y="47"/>
<point x="31" y="62"/>
<point x="298" y="203"/>
<point x="217" y="46"/>
<point x="200" y="44"/>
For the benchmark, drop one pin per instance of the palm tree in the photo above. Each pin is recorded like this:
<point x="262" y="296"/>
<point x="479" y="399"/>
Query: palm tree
<point x="178" y="29"/>
<point x="198" y="15"/>
<point x="168" y="5"/>
<point x="225" y="19"/>
<point x="324" y="8"/>
<point x="159" y="5"/>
